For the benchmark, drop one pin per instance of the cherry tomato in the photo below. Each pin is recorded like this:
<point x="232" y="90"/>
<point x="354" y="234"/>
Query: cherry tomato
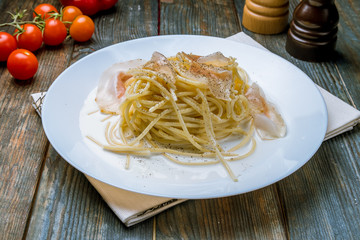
<point x="107" y="4"/>
<point x="22" y="64"/>
<point x="7" y="45"/>
<point x="54" y="32"/>
<point x="31" y="39"/>
<point x="69" y="13"/>
<point x="44" y="9"/>
<point x="82" y="28"/>
<point x="88" y="7"/>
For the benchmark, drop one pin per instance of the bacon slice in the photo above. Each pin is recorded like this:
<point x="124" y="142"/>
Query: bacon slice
<point x="216" y="59"/>
<point x="268" y="122"/>
<point x="111" y="88"/>
<point x="161" y="64"/>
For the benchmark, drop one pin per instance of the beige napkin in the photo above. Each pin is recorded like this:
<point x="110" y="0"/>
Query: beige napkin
<point x="132" y="207"/>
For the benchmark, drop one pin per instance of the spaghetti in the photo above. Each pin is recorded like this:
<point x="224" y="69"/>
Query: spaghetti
<point x="184" y="105"/>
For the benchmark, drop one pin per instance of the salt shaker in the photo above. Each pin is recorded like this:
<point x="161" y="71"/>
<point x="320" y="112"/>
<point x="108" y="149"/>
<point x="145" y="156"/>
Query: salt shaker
<point x="266" y="16"/>
<point x="313" y="30"/>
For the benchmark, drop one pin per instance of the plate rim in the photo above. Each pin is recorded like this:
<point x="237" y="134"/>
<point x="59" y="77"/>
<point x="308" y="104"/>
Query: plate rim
<point x="53" y="85"/>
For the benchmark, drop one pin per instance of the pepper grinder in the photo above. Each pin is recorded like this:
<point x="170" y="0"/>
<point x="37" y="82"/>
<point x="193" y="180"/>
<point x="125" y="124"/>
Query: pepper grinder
<point x="266" y="16"/>
<point x="313" y="30"/>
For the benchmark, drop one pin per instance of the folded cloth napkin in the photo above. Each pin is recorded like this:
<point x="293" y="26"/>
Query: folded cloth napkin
<point x="133" y="207"/>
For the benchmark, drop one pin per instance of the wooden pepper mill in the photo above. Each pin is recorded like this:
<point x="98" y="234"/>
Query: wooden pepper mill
<point x="266" y="16"/>
<point x="313" y="31"/>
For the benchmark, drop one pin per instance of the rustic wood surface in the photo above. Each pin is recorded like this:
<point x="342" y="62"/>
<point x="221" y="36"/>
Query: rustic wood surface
<point x="43" y="197"/>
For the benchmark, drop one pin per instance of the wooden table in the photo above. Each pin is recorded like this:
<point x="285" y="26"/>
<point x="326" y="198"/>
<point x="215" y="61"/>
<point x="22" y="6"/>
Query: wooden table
<point x="42" y="196"/>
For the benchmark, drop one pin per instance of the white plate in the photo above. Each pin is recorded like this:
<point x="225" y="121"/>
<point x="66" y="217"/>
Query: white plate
<point x="297" y="98"/>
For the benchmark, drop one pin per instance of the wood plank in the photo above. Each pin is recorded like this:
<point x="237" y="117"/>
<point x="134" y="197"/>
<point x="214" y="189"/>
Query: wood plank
<point x="129" y="20"/>
<point x="22" y="141"/>
<point x="66" y="204"/>
<point x="321" y="199"/>
<point x="348" y="49"/>
<point x="252" y="215"/>
<point x="214" y="18"/>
